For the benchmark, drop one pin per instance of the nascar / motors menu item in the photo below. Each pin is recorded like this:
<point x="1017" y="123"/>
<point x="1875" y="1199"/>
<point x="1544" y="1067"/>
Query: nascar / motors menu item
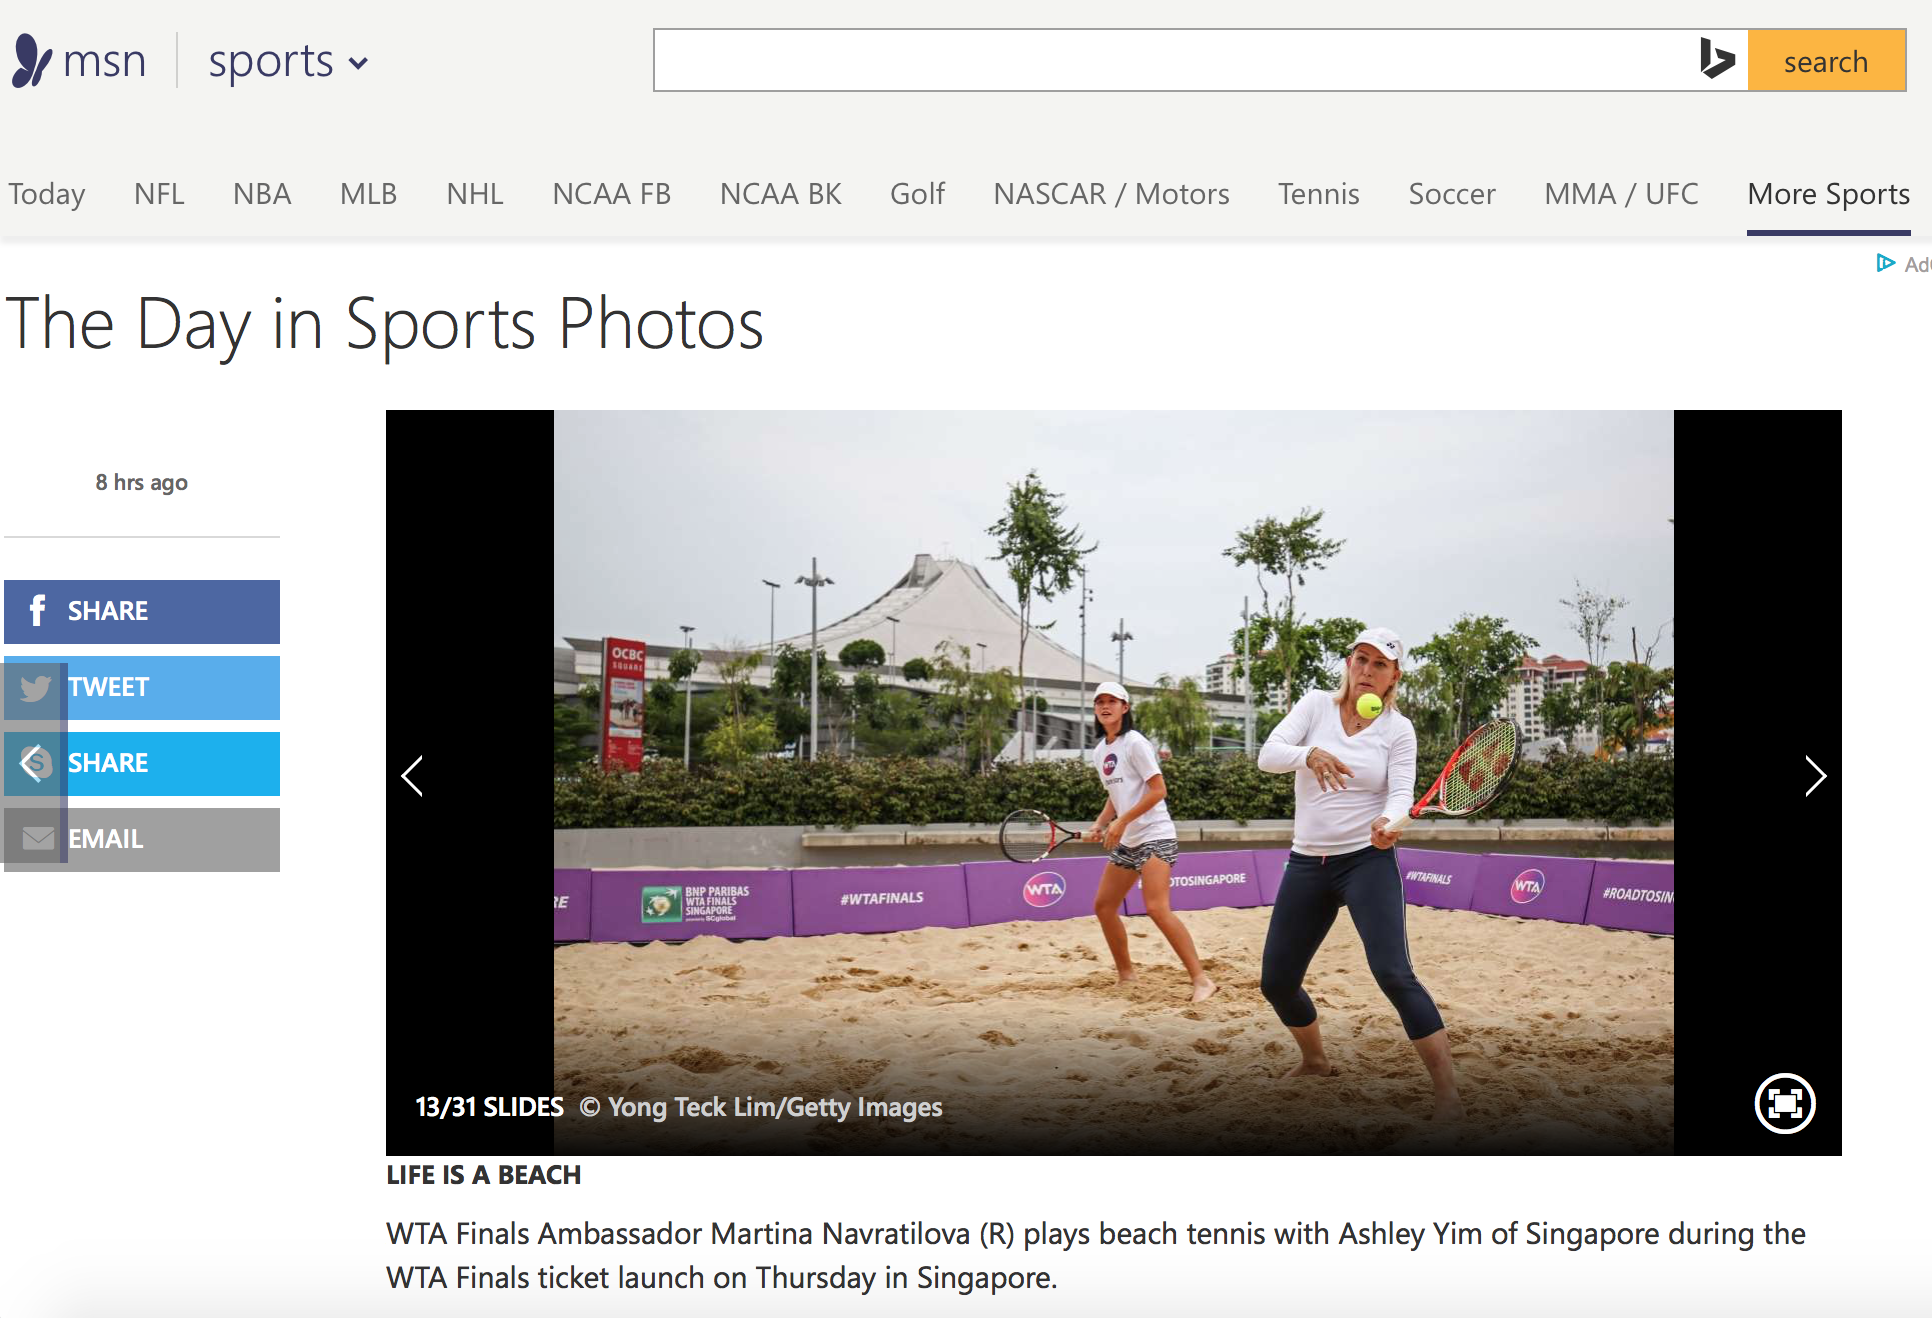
<point x="126" y="731"/>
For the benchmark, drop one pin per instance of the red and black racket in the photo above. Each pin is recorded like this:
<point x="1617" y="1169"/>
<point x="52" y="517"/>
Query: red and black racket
<point x="1474" y="777"/>
<point x="1028" y="835"/>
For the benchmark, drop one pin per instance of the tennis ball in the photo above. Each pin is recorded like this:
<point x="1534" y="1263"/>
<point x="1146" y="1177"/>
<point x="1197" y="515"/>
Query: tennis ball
<point x="1369" y="705"/>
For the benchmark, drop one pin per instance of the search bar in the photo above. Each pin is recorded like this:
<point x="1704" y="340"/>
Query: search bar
<point x="1206" y="59"/>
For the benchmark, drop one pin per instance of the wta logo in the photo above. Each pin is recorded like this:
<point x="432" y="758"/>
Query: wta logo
<point x="1107" y="765"/>
<point x="1526" y="887"/>
<point x="1043" y="889"/>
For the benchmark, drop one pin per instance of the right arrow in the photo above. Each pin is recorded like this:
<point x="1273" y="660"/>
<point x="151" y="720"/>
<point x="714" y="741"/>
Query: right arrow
<point x="1822" y="775"/>
<point x="419" y="791"/>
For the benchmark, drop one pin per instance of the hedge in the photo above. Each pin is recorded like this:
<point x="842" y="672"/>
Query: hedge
<point x="849" y="792"/>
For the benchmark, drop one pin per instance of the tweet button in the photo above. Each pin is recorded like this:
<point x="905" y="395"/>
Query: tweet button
<point x="34" y="691"/>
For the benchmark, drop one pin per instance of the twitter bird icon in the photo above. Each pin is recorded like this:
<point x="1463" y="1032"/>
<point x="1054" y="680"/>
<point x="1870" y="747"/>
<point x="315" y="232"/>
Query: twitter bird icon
<point x="33" y="689"/>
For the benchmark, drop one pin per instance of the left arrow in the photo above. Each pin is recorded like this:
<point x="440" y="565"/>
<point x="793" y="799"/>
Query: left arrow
<point x="1822" y="775"/>
<point x="411" y="769"/>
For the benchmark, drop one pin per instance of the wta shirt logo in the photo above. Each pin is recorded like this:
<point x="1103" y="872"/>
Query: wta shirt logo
<point x="1044" y="889"/>
<point x="1526" y="887"/>
<point x="1107" y="765"/>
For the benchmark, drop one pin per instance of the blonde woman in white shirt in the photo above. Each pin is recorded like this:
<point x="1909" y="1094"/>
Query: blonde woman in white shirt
<point x="1139" y="836"/>
<point x="1352" y="776"/>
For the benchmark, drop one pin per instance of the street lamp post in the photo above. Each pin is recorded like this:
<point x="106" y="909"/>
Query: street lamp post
<point x="893" y="661"/>
<point x="815" y="581"/>
<point x="982" y="655"/>
<point x="1121" y="637"/>
<point x="687" y="696"/>
<point x="1085" y="595"/>
<point x="771" y="647"/>
<point x="1247" y="682"/>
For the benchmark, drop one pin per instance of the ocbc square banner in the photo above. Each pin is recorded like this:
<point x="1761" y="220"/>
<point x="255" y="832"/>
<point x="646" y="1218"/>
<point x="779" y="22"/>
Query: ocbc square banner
<point x="623" y="709"/>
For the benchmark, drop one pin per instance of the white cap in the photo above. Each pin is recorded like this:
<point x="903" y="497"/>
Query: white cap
<point x="1114" y="689"/>
<point x="1384" y="640"/>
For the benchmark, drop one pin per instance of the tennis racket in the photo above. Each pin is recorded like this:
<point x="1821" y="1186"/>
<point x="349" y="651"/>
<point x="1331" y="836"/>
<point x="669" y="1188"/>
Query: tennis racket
<point x="1474" y="777"/>
<point x="1028" y="835"/>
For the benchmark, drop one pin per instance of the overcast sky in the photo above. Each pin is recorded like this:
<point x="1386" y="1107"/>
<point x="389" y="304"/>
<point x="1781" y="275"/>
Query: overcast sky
<point x="668" y="518"/>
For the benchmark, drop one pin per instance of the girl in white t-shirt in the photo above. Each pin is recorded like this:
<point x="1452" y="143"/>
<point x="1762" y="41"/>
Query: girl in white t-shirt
<point x="1138" y="834"/>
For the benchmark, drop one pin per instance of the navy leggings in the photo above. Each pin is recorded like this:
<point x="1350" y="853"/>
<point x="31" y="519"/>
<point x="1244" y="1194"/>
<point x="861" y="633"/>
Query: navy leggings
<point x="1313" y="889"/>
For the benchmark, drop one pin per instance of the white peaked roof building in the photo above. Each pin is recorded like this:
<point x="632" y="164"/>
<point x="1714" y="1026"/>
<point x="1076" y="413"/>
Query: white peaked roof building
<point x="945" y="600"/>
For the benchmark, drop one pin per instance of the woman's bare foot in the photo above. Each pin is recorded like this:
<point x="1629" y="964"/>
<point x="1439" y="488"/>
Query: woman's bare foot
<point x="1313" y="1066"/>
<point x="1449" y="1108"/>
<point x="1126" y="977"/>
<point x="1204" y="989"/>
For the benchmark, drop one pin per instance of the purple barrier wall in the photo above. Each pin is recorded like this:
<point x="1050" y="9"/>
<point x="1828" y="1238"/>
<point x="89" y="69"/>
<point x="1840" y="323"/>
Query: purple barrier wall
<point x="1051" y="889"/>
<point x="877" y="901"/>
<point x="1438" y="878"/>
<point x="573" y="905"/>
<point x="1534" y="887"/>
<point x="1634" y="894"/>
<point x="1268" y="866"/>
<point x="1205" y="879"/>
<point x="635" y="905"/>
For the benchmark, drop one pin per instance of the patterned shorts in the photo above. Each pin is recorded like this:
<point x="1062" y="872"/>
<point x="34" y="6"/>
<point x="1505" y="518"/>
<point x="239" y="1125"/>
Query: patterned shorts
<point x="1132" y="858"/>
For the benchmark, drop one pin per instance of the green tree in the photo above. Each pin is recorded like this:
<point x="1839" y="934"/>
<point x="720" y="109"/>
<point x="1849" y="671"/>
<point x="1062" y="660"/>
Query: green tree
<point x="1477" y="658"/>
<point x="979" y="704"/>
<point x="834" y="703"/>
<point x="1174" y="713"/>
<point x="917" y="669"/>
<point x="1289" y="550"/>
<point x="1265" y="721"/>
<point x="683" y="663"/>
<point x="1592" y="612"/>
<point x="791" y="689"/>
<point x="734" y="742"/>
<point x="664" y="718"/>
<point x="572" y="723"/>
<point x="898" y="723"/>
<point x="1317" y="650"/>
<point x="1042" y="554"/>
<point x="1635" y="695"/>
<point x="1564" y="710"/>
<point x="862" y="654"/>
<point x="1427" y="702"/>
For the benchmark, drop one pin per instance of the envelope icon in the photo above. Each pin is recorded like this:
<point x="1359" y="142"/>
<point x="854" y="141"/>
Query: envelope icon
<point x="37" y="839"/>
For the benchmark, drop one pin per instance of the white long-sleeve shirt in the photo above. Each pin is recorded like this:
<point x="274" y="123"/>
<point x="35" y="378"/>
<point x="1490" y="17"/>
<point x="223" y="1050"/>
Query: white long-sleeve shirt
<point x="1382" y="756"/>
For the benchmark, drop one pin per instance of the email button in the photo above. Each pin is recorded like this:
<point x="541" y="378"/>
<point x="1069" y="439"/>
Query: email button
<point x="37" y="839"/>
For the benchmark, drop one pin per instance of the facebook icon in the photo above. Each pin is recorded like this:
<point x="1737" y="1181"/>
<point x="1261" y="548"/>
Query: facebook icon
<point x="38" y="607"/>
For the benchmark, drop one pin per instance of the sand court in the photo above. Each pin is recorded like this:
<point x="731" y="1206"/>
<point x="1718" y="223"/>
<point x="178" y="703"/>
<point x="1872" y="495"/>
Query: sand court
<point x="1562" y="1036"/>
